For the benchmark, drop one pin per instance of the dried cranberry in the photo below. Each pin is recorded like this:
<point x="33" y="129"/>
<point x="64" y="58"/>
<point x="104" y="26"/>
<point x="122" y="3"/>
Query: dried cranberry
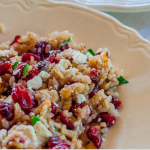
<point x="21" y="140"/>
<point x="53" y="57"/>
<point x="53" y="107"/>
<point x="99" y="53"/>
<point x="16" y="39"/>
<point x="19" y="69"/>
<point x="56" y="143"/>
<point x="91" y="112"/>
<point x="40" y="49"/>
<point x="94" y="135"/>
<point x="66" y="121"/>
<point x="32" y="74"/>
<point x="98" y="119"/>
<point x="4" y="67"/>
<point x="62" y="48"/>
<point x="27" y="56"/>
<point x="21" y="96"/>
<point x="95" y="90"/>
<point x="116" y="102"/>
<point x="34" y="103"/>
<point x="94" y="75"/>
<point x="71" y="60"/>
<point x="109" y="119"/>
<point x="104" y="117"/>
<point x="6" y="111"/>
<point x="77" y="105"/>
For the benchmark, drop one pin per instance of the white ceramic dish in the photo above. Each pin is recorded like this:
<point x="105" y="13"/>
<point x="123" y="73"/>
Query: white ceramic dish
<point x="114" y="5"/>
<point x="128" y="51"/>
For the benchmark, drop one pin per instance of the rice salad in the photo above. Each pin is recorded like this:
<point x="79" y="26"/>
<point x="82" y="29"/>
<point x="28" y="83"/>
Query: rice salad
<point x="56" y="93"/>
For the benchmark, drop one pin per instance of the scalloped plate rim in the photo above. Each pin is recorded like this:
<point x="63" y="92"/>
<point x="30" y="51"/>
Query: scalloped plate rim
<point x="100" y="13"/>
<point x="92" y="10"/>
<point x="110" y="6"/>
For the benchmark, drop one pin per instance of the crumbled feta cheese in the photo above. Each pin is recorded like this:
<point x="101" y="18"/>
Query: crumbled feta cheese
<point x="35" y="83"/>
<point x="78" y="57"/>
<point x="44" y="74"/>
<point x="41" y="130"/>
<point x="103" y="124"/>
<point x="54" y="95"/>
<point x="2" y="53"/>
<point x="89" y="55"/>
<point x="60" y="67"/>
<point x="80" y="98"/>
<point x="65" y="63"/>
<point x="3" y="133"/>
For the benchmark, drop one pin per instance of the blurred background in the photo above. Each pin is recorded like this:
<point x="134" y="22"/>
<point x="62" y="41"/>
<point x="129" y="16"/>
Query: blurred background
<point x="133" y="13"/>
<point x="137" y="20"/>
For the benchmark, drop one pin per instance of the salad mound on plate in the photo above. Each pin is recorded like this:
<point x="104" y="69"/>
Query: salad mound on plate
<point x="55" y="93"/>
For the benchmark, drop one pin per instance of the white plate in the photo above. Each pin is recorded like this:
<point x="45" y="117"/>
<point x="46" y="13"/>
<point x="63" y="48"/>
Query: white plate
<point x="129" y="51"/>
<point x="114" y="5"/>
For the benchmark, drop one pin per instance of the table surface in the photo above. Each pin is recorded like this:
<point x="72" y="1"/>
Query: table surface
<point x="140" y="21"/>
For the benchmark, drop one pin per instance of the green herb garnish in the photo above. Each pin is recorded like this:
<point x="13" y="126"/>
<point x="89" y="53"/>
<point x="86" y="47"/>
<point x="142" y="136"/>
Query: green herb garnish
<point x="34" y="119"/>
<point x="25" y="69"/>
<point x="91" y="52"/>
<point x="64" y="43"/>
<point x="102" y="134"/>
<point x="14" y="65"/>
<point x="122" y="80"/>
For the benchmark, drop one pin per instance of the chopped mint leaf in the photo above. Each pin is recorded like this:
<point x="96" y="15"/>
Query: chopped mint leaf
<point x="102" y="134"/>
<point x="91" y="52"/>
<point x="25" y="69"/>
<point x="122" y="80"/>
<point x="34" y="119"/>
<point x="14" y="65"/>
<point x="64" y="43"/>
